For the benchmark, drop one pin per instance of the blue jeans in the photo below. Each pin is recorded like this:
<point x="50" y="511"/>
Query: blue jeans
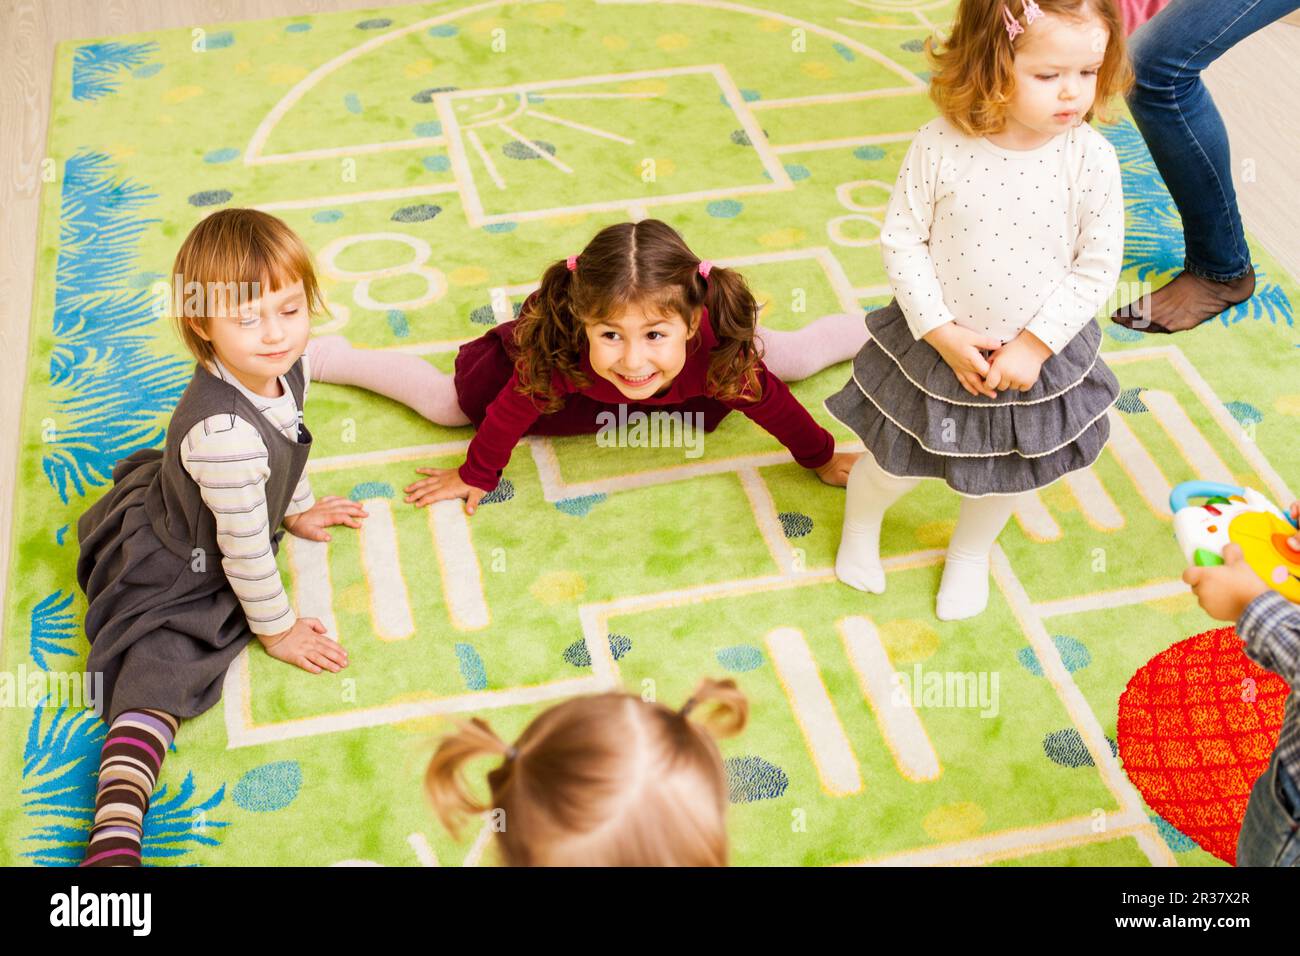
<point x="1182" y="127"/>
<point x="1270" y="832"/>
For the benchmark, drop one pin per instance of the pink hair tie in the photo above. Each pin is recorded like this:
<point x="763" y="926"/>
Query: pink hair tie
<point x="572" y="263"/>
<point x="1014" y="29"/>
<point x="705" y="267"/>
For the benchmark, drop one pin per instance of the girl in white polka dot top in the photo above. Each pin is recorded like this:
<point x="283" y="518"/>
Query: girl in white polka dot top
<point x="1003" y="239"/>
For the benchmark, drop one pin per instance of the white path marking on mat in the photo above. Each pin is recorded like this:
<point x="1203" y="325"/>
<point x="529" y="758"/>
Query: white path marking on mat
<point x="573" y="124"/>
<point x="765" y="516"/>
<point x="1143" y="472"/>
<point x="423" y="851"/>
<point x="1009" y="844"/>
<point x="390" y="608"/>
<point x="483" y="156"/>
<point x="1076" y="705"/>
<point x="373" y="195"/>
<point x="462" y="578"/>
<point x="386" y="456"/>
<point x="900" y="725"/>
<point x="313" y="594"/>
<point x="1105" y="600"/>
<point x="1098" y="506"/>
<point x="813" y="711"/>
<point x="1196" y="451"/>
<point x="857" y="46"/>
<point x="475" y="855"/>
<point x="1035" y="519"/>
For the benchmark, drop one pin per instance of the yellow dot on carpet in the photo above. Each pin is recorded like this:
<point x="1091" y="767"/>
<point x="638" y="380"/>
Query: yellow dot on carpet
<point x="468" y="275"/>
<point x="614" y="42"/>
<point x="545" y="12"/>
<point x="566" y="219"/>
<point x="934" y="534"/>
<point x="285" y="74"/>
<point x="179" y="94"/>
<point x="908" y="641"/>
<point x="417" y="68"/>
<point x="782" y="238"/>
<point x="482" y="26"/>
<point x="243" y="66"/>
<point x="818" y="70"/>
<point x="1174" y="604"/>
<point x="558" y="587"/>
<point x="772" y="26"/>
<point x="669" y="42"/>
<point x="1288" y="404"/>
<point x="954" y="821"/>
<point x="355" y="598"/>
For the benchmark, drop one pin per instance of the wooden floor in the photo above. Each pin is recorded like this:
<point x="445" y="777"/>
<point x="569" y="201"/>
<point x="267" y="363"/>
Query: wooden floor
<point x="1248" y="83"/>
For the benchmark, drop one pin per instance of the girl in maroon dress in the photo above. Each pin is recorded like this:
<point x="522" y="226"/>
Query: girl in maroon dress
<point x="636" y="320"/>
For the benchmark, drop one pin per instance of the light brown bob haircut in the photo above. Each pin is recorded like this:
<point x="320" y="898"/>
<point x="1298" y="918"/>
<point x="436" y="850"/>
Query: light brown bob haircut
<point x="973" y="76"/>
<point x="603" y="780"/>
<point x="231" y="257"/>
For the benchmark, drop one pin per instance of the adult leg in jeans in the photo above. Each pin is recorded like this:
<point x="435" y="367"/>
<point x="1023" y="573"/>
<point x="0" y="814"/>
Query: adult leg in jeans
<point x="1183" y="129"/>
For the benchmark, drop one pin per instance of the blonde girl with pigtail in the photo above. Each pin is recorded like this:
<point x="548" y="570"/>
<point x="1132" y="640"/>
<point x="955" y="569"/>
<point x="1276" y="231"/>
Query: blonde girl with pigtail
<point x="604" y="780"/>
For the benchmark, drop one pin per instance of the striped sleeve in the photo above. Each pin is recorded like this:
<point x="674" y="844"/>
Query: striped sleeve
<point x="226" y="457"/>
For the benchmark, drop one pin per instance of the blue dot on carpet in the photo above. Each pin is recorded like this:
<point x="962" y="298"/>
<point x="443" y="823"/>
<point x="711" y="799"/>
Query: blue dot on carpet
<point x="1175" y="839"/>
<point x="352" y="102"/>
<point x="504" y="491"/>
<point x="724" y="208"/>
<point x="219" y="41"/>
<point x="272" y="786"/>
<point x="427" y="128"/>
<point x="472" y="671"/>
<point x="578" y="655"/>
<point x="376" y="24"/>
<point x="516" y="149"/>
<point x="1130" y="402"/>
<point x="1245" y="413"/>
<point x="146" y="71"/>
<point x="371" y="489"/>
<point x="297" y="28"/>
<point x="580" y="506"/>
<point x="869" y="153"/>
<point x="397" y="322"/>
<point x="753" y="778"/>
<point x="740" y="658"/>
<point x="444" y="30"/>
<point x="795" y="524"/>
<point x="417" y="213"/>
<point x="436" y="164"/>
<point x="496" y="227"/>
<point x="1073" y="653"/>
<point x="210" y="197"/>
<point x="1065" y="747"/>
<point x="797" y="172"/>
<point x="221" y="155"/>
<point x="327" y="215"/>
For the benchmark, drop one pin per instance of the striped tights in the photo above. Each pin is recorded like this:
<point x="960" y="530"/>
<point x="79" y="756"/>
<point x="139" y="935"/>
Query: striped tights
<point x="133" y="752"/>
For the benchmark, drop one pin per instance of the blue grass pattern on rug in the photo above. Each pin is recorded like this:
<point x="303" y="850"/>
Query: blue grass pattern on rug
<point x="96" y="66"/>
<point x="60" y="763"/>
<point x="51" y="626"/>
<point x="115" y="389"/>
<point x="1153" y="240"/>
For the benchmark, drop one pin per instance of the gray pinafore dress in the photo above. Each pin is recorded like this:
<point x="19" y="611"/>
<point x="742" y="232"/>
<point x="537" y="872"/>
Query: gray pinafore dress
<point x="916" y="420"/>
<point x="162" y="620"/>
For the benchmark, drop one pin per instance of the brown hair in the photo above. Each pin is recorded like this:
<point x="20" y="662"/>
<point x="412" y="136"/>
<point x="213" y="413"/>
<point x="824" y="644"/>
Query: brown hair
<point x="973" y="78"/>
<point x="647" y="263"/>
<point x="228" y="252"/>
<point x="604" y="780"/>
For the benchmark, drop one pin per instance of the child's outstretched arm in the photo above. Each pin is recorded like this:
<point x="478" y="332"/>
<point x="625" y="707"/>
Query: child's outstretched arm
<point x="507" y="419"/>
<point x="783" y="417"/>
<point x="226" y="457"/>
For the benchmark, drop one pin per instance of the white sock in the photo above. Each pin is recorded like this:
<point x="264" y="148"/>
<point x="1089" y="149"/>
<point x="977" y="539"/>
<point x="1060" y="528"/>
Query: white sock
<point x="870" y="491"/>
<point x="964" y="588"/>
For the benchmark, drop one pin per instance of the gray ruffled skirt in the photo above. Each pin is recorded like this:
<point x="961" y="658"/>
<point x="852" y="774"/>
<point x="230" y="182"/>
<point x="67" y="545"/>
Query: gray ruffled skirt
<point x="916" y="420"/>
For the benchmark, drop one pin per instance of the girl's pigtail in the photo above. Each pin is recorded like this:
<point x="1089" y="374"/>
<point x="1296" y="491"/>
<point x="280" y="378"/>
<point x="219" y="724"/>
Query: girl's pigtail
<point x="444" y="779"/>
<point x="734" y="368"/>
<point x="550" y="339"/>
<point x="718" y="706"/>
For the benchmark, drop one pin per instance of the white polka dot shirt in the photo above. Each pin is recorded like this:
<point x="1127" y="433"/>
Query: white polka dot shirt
<point x="1001" y="240"/>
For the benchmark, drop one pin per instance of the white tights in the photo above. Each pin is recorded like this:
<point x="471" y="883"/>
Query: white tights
<point x="964" y="589"/>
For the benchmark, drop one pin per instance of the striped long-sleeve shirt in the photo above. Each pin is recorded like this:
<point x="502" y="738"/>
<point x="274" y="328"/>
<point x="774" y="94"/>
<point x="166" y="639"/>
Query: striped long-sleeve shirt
<point x="227" y="458"/>
<point x="1270" y="626"/>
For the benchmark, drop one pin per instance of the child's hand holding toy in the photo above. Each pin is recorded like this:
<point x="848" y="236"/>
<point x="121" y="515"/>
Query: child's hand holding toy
<point x="1224" y="590"/>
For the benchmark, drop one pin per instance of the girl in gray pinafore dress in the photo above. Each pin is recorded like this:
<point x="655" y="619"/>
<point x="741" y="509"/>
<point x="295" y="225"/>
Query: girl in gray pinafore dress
<point x="177" y="559"/>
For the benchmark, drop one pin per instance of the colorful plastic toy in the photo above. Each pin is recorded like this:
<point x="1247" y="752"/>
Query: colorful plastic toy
<point x="1242" y="516"/>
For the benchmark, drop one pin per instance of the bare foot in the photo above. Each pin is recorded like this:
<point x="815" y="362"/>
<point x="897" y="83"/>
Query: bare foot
<point x="1184" y="303"/>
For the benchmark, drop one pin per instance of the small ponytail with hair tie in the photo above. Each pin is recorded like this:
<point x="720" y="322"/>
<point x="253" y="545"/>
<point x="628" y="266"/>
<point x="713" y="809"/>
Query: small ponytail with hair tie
<point x="727" y="709"/>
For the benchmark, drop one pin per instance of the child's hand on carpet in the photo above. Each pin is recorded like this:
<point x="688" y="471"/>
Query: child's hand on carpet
<point x="306" y="645"/>
<point x="330" y="510"/>
<point x="443" y="484"/>
<point x="960" y="348"/>
<point x="1018" y="363"/>
<point x="1224" y="590"/>
<point x="836" y="471"/>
